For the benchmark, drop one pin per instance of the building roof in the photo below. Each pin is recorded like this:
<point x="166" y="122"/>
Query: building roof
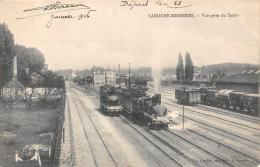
<point x="246" y="76"/>
<point x="14" y="84"/>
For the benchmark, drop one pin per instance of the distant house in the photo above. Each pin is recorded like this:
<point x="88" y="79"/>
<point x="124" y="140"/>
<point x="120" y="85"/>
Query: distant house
<point x="102" y="76"/>
<point x="205" y="77"/>
<point x="202" y="77"/>
<point x="110" y="77"/>
<point x="247" y="81"/>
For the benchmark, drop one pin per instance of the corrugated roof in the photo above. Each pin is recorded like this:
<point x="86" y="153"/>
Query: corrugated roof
<point x="247" y="76"/>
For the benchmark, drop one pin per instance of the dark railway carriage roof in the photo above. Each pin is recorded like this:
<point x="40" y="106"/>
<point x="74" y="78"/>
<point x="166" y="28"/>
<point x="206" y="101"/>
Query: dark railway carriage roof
<point x="246" y="77"/>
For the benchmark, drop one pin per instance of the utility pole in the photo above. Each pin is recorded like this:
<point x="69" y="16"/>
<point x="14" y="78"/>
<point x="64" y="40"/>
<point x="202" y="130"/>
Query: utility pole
<point x="129" y="79"/>
<point x="183" y="92"/>
<point x="105" y="77"/>
<point x="119" y="77"/>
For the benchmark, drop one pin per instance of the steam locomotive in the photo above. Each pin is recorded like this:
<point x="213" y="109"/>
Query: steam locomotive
<point x="109" y="102"/>
<point x="143" y="108"/>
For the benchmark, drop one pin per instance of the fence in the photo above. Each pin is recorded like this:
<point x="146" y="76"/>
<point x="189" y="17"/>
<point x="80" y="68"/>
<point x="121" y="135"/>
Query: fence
<point x="55" y="152"/>
<point x="56" y="142"/>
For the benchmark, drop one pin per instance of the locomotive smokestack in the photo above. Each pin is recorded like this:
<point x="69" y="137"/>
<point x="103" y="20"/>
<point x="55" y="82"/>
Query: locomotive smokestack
<point x="156" y="99"/>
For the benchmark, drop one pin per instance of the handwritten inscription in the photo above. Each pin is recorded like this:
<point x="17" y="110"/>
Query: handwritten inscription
<point x="68" y="17"/>
<point x="133" y="4"/>
<point x="172" y="4"/>
<point x="58" y="7"/>
<point x="163" y="3"/>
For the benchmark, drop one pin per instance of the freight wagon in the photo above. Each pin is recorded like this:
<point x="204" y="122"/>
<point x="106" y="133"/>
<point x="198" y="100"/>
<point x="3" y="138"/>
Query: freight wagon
<point x="188" y="96"/>
<point x="233" y="100"/>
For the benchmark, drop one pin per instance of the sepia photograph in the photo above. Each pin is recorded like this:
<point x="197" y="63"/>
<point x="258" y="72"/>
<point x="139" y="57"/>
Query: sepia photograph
<point x="129" y="83"/>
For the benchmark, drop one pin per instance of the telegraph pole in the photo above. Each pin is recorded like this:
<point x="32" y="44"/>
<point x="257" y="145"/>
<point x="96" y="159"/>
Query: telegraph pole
<point x="129" y="79"/>
<point x="119" y="77"/>
<point x="105" y="77"/>
<point x="183" y="92"/>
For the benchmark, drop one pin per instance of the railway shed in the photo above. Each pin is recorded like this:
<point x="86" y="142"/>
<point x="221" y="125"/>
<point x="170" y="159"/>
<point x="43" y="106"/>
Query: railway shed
<point x="247" y="81"/>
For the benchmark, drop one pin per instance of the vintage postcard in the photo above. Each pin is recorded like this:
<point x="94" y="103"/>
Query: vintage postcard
<point x="129" y="83"/>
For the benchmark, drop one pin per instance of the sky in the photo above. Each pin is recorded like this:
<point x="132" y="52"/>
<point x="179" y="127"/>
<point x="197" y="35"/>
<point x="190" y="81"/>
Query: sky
<point x="116" y="34"/>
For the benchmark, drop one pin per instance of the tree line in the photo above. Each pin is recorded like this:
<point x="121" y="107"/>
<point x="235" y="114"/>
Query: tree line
<point x="185" y="72"/>
<point x="29" y="61"/>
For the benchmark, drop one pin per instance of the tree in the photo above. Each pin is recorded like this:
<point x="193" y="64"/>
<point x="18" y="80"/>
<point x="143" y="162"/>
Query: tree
<point x="6" y="54"/>
<point x="90" y="80"/>
<point x="52" y="81"/>
<point x="189" y="68"/>
<point x="29" y="60"/>
<point x="179" y="68"/>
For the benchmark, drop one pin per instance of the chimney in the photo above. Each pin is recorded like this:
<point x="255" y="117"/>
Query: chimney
<point x="15" y="68"/>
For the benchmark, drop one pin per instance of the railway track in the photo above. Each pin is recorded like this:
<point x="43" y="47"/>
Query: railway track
<point x="182" y="150"/>
<point x="79" y="102"/>
<point x="220" y="129"/>
<point x="150" y="150"/>
<point x="72" y="146"/>
<point x="246" y="159"/>
<point x="236" y="115"/>
<point x="219" y="158"/>
<point x="149" y="136"/>
<point x="177" y="159"/>
<point x="233" y="123"/>
<point x="219" y="135"/>
<point x="97" y="131"/>
<point x="221" y="144"/>
<point x="249" y="160"/>
<point x="86" y="136"/>
<point x="204" y="157"/>
<point x="233" y="147"/>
